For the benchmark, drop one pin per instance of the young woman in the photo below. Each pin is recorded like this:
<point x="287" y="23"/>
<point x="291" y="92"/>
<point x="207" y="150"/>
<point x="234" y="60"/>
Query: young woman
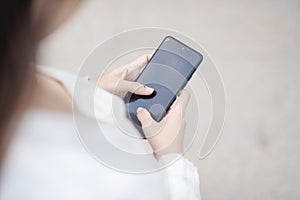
<point x="41" y="156"/>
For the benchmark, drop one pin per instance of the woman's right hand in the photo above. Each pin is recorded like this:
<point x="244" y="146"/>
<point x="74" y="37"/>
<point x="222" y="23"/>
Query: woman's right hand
<point x="166" y="136"/>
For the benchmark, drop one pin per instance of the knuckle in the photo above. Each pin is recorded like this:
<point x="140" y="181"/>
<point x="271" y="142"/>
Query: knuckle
<point x="147" y="56"/>
<point x="133" y="86"/>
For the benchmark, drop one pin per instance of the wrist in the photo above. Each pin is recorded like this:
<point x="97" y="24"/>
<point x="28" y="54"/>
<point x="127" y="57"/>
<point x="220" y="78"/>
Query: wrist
<point x="168" y="151"/>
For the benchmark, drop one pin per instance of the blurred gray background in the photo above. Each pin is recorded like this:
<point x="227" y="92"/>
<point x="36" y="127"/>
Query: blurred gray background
<point x="256" y="46"/>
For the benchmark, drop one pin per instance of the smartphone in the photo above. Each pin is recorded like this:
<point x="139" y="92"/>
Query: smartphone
<point x="167" y="72"/>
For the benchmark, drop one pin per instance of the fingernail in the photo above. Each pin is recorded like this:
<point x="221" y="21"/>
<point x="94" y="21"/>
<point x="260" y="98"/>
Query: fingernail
<point x="140" y="109"/>
<point x="148" y="90"/>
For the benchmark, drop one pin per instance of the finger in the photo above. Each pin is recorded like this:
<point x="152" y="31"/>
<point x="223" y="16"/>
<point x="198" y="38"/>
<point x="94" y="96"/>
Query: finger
<point x="150" y="127"/>
<point x="184" y="98"/>
<point x="133" y="87"/>
<point x="181" y="103"/>
<point x="134" y="68"/>
<point x="144" y="117"/>
<point x="139" y="63"/>
<point x="124" y="74"/>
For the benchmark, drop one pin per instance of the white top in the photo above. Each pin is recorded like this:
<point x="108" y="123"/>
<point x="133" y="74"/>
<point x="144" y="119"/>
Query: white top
<point x="47" y="160"/>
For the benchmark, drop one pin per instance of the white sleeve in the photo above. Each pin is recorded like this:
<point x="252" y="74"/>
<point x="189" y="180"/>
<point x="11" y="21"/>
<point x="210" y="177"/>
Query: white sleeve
<point x="182" y="179"/>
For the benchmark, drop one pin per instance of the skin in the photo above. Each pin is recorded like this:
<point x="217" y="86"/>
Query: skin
<point x="49" y="94"/>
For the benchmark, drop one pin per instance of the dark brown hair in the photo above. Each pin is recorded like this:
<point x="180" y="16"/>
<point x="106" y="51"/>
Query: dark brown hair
<point x="16" y="57"/>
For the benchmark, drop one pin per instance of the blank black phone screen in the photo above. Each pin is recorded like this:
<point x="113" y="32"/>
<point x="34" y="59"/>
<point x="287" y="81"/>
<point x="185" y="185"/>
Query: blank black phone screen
<point x="167" y="72"/>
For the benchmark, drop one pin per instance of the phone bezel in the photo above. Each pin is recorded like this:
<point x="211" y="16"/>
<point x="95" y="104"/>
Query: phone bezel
<point x="183" y="84"/>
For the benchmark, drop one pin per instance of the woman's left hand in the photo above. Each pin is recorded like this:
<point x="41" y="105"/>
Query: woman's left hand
<point x="122" y="80"/>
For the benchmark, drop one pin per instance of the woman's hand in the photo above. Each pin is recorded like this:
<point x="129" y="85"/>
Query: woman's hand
<point x="122" y="80"/>
<point x="166" y="136"/>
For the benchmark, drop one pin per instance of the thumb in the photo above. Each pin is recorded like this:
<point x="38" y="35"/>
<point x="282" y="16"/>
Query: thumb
<point x="134" y="87"/>
<point x="150" y="127"/>
<point x="144" y="117"/>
